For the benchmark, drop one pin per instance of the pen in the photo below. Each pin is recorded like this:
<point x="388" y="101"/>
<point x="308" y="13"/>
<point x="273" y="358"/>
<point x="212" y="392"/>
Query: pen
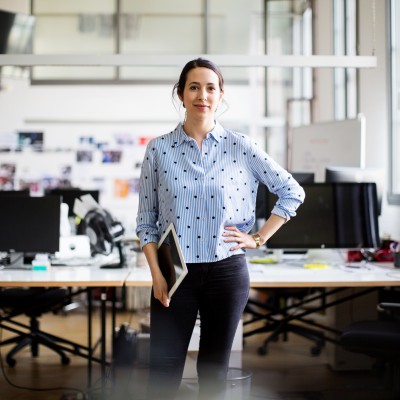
<point x="352" y="266"/>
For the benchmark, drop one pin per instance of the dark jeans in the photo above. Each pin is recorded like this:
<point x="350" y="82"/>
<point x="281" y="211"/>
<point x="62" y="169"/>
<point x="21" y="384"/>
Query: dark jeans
<point x="218" y="291"/>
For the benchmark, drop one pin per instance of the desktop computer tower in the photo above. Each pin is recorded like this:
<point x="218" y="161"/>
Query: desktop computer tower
<point x="363" y="307"/>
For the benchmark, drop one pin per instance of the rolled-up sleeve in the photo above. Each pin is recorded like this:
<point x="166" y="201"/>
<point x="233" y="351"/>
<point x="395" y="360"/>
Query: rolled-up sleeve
<point x="147" y="217"/>
<point x="279" y="182"/>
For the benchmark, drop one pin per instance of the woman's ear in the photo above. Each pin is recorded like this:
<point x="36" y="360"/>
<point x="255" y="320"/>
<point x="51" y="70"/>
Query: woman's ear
<point x="181" y="99"/>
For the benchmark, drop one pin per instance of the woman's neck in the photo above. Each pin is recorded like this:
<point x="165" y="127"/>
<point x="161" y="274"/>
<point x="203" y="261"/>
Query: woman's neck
<point x="198" y="130"/>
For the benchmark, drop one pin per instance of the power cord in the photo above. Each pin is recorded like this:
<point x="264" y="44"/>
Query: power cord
<point x="80" y="393"/>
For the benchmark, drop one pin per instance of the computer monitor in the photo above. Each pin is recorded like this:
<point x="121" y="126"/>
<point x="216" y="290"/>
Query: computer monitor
<point x="13" y="193"/>
<point x="356" y="174"/>
<point x="69" y="195"/>
<point x="262" y="192"/>
<point x="30" y="224"/>
<point x="334" y="215"/>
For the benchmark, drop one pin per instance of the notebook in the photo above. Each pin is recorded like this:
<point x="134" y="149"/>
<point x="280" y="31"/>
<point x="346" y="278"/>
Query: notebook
<point x="170" y="259"/>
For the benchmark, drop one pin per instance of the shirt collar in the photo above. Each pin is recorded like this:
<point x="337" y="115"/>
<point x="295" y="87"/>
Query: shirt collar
<point x="180" y="136"/>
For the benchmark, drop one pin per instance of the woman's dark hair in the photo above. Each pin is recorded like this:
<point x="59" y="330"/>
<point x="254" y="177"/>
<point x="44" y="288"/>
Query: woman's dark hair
<point x="198" y="62"/>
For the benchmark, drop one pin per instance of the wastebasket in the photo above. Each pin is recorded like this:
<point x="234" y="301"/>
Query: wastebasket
<point x="238" y="384"/>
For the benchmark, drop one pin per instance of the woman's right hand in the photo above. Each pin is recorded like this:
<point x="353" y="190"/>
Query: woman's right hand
<point x="160" y="287"/>
<point x="160" y="290"/>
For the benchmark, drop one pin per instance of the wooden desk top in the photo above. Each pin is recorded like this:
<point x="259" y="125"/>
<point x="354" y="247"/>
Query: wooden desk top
<point x="295" y="275"/>
<point x="261" y="275"/>
<point x="85" y="276"/>
<point x="292" y="275"/>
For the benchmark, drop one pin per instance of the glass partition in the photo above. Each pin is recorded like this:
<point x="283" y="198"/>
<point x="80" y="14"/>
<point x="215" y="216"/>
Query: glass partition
<point x="74" y="27"/>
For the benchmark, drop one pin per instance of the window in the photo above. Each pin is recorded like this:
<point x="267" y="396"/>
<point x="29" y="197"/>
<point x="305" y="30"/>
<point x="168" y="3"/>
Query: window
<point x="289" y="91"/>
<point x="143" y="27"/>
<point x="74" y="27"/>
<point x="344" y="39"/>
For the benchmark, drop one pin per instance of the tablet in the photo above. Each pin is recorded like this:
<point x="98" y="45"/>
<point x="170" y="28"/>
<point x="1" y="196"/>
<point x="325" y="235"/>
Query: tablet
<point x="170" y="259"/>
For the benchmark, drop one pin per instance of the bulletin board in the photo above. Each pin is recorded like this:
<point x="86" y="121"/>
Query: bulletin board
<point x="334" y="143"/>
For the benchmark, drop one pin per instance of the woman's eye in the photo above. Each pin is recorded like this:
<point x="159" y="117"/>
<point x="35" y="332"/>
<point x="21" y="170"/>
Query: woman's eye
<point x="193" y="87"/>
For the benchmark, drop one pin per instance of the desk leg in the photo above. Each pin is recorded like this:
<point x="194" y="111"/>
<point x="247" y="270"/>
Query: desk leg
<point x="89" y="333"/>
<point x="113" y="322"/>
<point x="103" y="299"/>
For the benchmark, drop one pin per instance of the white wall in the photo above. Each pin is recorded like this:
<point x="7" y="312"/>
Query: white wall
<point x="22" y="6"/>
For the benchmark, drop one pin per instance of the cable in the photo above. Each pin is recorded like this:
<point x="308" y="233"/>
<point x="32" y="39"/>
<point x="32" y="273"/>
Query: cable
<point x="49" y="389"/>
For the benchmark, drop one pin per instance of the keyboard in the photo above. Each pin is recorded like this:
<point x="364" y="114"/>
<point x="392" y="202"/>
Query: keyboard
<point x="73" y="262"/>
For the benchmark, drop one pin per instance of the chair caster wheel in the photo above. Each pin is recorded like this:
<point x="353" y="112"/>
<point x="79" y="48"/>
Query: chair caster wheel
<point x="262" y="351"/>
<point x="315" y="351"/>
<point x="11" y="362"/>
<point x="65" y="360"/>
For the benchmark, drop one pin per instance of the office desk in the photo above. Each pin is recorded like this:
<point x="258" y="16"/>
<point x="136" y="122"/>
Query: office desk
<point x="79" y="276"/>
<point x="293" y="274"/>
<point x="335" y="280"/>
<point x="87" y="276"/>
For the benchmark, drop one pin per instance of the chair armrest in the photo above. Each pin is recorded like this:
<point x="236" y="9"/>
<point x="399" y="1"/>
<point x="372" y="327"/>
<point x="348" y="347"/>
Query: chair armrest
<point x="388" y="306"/>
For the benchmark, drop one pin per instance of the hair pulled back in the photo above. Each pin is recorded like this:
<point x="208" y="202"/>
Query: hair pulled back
<point x="196" y="63"/>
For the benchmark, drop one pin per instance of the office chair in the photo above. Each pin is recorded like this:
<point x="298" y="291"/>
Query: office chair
<point x="279" y="316"/>
<point x="379" y="339"/>
<point x="32" y="302"/>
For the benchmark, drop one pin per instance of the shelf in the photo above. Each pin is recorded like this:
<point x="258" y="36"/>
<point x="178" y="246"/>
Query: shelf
<point x="160" y="60"/>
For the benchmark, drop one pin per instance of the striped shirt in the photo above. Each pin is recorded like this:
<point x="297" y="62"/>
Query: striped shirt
<point x="203" y="192"/>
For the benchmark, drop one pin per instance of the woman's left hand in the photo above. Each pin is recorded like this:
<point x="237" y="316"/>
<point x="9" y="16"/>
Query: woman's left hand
<point x="243" y="240"/>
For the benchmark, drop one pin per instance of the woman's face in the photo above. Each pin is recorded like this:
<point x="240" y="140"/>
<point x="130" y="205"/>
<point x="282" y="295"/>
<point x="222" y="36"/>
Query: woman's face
<point x="202" y="94"/>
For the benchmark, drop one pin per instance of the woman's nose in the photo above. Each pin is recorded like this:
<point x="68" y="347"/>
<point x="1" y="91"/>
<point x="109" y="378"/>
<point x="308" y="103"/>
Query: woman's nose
<point x="202" y="95"/>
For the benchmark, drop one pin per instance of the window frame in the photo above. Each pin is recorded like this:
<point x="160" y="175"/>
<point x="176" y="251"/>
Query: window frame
<point x="394" y="133"/>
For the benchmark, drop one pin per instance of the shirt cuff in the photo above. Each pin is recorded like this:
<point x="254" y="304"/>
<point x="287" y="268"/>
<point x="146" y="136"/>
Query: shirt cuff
<point x="278" y="211"/>
<point x="146" y="238"/>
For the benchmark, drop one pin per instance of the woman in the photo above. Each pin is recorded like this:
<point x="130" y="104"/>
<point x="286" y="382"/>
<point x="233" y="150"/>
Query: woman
<point x="204" y="179"/>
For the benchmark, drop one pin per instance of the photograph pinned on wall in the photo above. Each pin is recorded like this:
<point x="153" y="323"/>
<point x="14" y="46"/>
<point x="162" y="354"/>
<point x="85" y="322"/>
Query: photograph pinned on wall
<point x="144" y="140"/>
<point x="111" y="156"/>
<point x="124" y="139"/>
<point x="87" y="141"/>
<point x="66" y="173"/>
<point x="102" y="145"/>
<point x="50" y="182"/>
<point x="63" y="180"/>
<point x="84" y="156"/>
<point x="121" y="188"/>
<point x="30" y="140"/>
<point x="7" y="176"/>
<point x="35" y="186"/>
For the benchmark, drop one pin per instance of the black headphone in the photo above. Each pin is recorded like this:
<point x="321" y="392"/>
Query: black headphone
<point x="103" y="231"/>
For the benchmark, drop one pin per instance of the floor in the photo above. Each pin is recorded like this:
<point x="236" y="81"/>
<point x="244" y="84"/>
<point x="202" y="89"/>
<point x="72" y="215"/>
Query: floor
<point x="287" y="372"/>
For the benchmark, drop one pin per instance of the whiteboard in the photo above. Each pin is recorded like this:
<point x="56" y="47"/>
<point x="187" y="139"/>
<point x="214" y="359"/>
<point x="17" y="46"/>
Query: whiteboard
<point x="334" y="143"/>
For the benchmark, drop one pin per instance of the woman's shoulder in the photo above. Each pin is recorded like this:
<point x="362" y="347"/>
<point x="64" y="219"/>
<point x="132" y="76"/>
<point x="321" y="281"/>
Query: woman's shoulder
<point x="240" y="138"/>
<point x="163" y="139"/>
